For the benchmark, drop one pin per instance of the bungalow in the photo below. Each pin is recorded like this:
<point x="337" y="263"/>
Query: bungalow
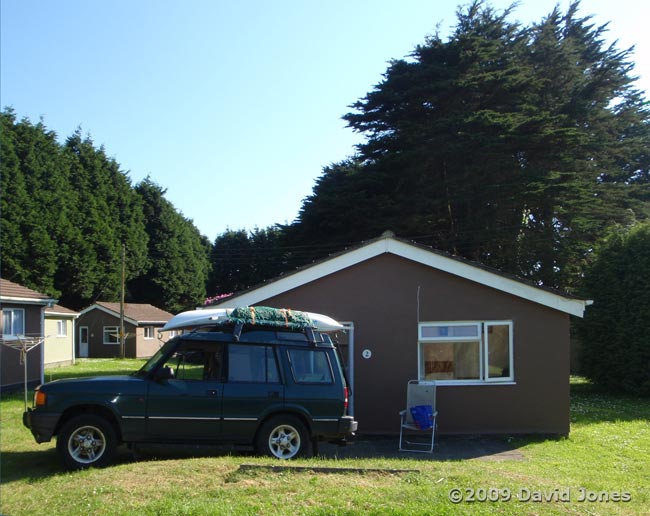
<point x="497" y="347"/>
<point x="99" y="328"/>
<point x="59" y="336"/>
<point x="23" y="323"/>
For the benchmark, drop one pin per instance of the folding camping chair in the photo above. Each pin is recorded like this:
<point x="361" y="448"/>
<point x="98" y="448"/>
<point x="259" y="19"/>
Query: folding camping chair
<point x="419" y="417"/>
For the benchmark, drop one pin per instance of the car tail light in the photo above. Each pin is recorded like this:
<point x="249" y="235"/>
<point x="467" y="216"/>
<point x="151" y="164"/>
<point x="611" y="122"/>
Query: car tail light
<point x="40" y="399"/>
<point x="346" y="400"/>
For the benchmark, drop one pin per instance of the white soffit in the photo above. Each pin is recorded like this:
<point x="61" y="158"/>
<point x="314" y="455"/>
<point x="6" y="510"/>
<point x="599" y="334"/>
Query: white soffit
<point x="410" y="252"/>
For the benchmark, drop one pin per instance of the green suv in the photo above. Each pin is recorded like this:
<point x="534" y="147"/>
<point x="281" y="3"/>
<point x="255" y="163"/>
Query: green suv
<point x="271" y="380"/>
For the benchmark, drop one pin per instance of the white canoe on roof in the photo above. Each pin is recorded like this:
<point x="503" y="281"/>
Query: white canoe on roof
<point x="216" y="316"/>
<point x="194" y="318"/>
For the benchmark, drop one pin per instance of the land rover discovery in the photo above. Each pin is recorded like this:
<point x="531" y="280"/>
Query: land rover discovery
<point x="271" y="382"/>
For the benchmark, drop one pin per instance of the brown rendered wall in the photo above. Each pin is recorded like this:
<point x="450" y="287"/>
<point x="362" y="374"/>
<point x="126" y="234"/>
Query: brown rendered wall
<point x="380" y="297"/>
<point x="96" y="320"/>
<point x="10" y="368"/>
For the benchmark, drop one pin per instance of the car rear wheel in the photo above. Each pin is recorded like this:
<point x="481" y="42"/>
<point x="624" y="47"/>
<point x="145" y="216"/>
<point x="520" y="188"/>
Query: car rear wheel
<point x="86" y="440"/>
<point x="284" y="437"/>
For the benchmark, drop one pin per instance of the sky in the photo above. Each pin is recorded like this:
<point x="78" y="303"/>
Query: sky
<point x="234" y="107"/>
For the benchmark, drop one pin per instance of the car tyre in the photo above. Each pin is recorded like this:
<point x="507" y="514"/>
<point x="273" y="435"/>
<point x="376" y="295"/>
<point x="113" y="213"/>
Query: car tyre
<point x="86" y="441"/>
<point x="284" y="437"/>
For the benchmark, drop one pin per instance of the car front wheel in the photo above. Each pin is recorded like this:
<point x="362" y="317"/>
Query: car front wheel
<point x="284" y="437"/>
<point x="86" y="440"/>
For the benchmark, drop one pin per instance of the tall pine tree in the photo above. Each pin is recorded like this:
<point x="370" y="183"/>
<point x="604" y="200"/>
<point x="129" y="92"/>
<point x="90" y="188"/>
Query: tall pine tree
<point x="513" y="146"/>
<point x="178" y="255"/>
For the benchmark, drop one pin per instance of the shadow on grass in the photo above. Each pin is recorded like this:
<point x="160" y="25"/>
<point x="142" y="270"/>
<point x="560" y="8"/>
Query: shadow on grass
<point x="41" y="464"/>
<point x="35" y="465"/>
<point x="31" y="465"/>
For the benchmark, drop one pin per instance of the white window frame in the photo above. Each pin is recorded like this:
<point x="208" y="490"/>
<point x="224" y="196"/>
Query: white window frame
<point x="481" y="338"/>
<point x="13" y="332"/>
<point x="61" y="328"/>
<point x="511" y="354"/>
<point x="149" y="332"/>
<point x="111" y="329"/>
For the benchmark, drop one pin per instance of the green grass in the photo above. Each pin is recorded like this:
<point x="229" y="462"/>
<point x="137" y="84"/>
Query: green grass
<point x="607" y="451"/>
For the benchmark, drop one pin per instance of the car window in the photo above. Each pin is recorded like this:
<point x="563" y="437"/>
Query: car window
<point x="310" y="366"/>
<point x="252" y="364"/>
<point x="193" y="363"/>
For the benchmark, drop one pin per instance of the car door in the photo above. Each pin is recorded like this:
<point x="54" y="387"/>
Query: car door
<point x="315" y="386"/>
<point x="187" y="405"/>
<point x="252" y="389"/>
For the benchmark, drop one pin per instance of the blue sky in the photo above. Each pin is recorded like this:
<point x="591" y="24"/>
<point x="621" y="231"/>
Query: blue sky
<point x="233" y="106"/>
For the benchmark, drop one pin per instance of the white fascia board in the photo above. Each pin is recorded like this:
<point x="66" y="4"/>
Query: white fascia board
<point x="389" y="245"/>
<point x="490" y="279"/>
<point x="28" y="300"/>
<point x="60" y="315"/>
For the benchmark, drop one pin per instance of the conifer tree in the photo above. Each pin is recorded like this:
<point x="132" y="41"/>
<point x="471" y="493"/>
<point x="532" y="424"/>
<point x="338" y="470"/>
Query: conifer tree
<point x="512" y="146"/>
<point x="178" y="254"/>
<point x="615" y="333"/>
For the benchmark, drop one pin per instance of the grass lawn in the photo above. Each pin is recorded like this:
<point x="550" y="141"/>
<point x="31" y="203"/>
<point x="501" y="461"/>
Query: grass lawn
<point x="606" y="456"/>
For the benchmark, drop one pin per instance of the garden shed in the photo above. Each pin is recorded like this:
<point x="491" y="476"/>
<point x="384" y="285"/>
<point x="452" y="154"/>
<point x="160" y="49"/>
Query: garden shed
<point x="498" y="347"/>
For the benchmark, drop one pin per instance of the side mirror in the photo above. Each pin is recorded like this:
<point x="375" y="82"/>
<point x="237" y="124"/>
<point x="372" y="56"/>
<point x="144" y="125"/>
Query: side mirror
<point x="164" y="373"/>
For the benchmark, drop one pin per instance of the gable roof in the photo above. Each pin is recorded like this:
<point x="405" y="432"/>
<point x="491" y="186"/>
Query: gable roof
<point x="420" y="254"/>
<point x="15" y="293"/>
<point x="134" y="313"/>
<point x="60" y="311"/>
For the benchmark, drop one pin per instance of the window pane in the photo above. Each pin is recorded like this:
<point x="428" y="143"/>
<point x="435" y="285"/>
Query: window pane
<point x="251" y="364"/>
<point x="192" y="362"/>
<point x="433" y="332"/>
<point x="190" y="365"/>
<point x="451" y="360"/>
<point x="19" y="322"/>
<point x="310" y="366"/>
<point x="7" y="319"/>
<point x="13" y="321"/>
<point x="498" y="348"/>
<point x="111" y="335"/>
<point x="273" y="375"/>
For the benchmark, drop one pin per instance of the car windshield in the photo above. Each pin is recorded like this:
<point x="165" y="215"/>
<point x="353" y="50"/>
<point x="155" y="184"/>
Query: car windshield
<point x="158" y="355"/>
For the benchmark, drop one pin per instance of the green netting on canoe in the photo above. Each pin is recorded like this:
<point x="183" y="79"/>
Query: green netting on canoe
<point x="275" y="317"/>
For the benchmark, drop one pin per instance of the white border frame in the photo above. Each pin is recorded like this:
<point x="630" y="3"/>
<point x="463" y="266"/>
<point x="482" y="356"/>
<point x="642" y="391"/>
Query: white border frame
<point x="14" y="334"/>
<point x="61" y="323"/>
<point x="483" y="351"/>
<point x="511" y="351"/>
<point x="117" y="328"/>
